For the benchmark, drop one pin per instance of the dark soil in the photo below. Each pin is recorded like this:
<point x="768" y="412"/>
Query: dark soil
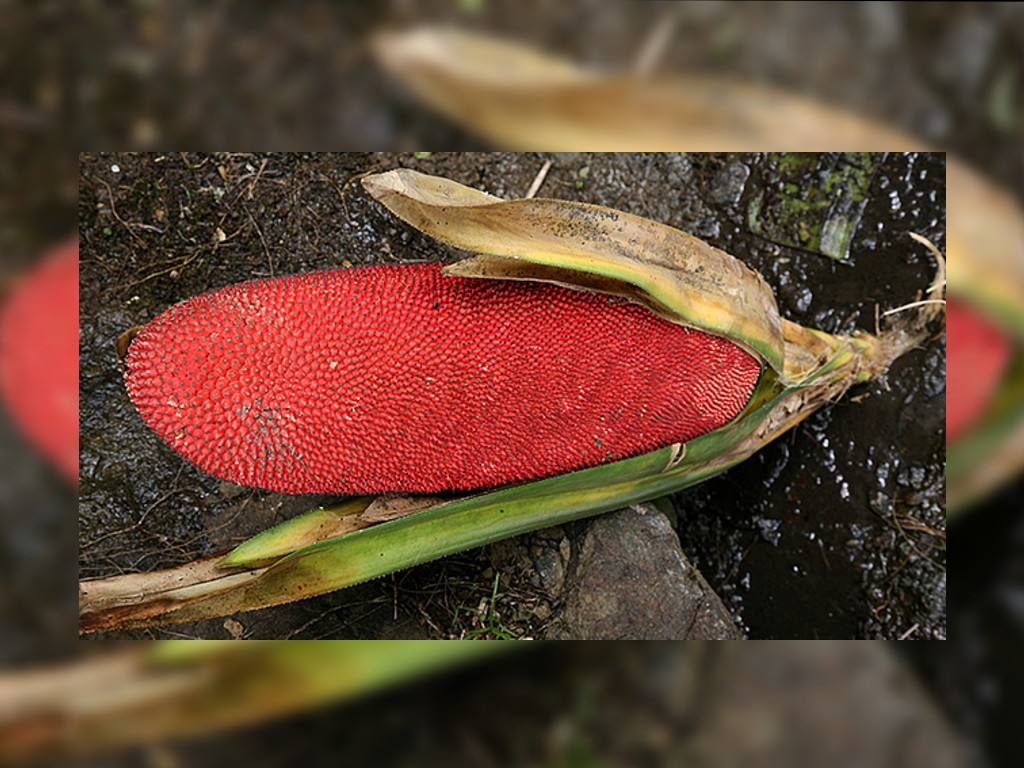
<point x="835" y="531"/>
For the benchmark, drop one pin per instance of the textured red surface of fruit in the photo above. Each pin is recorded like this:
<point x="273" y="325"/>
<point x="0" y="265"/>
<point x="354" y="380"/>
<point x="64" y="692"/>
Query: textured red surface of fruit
<point x="402" y="379"/>
<point x="39" y="356"/>
<point x="977" y="354"/>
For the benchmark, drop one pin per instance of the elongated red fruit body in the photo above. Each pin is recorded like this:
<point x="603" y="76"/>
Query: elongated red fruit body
<point x="400" y="378"/>
<point x="977" y="354"/>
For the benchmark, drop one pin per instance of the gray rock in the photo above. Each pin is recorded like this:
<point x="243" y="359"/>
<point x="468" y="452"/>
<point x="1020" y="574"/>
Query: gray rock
<point x="728" y="184"/>
<point x="629" y="579"/>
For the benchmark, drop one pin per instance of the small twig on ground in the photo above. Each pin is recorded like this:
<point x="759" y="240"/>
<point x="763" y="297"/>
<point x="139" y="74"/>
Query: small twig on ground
<point x="940" y="281"/>
<point x="909" y="632"/>
<point x="911" y="305"/>
<point x="122" y="222"/>
<point x="266" y="250"/>
<point x="539" y="179"/>
<point x="908" y="523"/>
<point x="147" y="278"/>
<point x="256" y="181"/>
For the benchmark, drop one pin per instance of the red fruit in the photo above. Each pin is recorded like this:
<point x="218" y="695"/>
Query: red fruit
<point x="39" y="356"/>
<point x="977" y="354"/>
<point x="403" y="379"/>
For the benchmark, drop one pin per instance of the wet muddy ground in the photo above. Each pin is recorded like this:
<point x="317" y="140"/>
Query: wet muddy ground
<point x="835" y="530"/>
